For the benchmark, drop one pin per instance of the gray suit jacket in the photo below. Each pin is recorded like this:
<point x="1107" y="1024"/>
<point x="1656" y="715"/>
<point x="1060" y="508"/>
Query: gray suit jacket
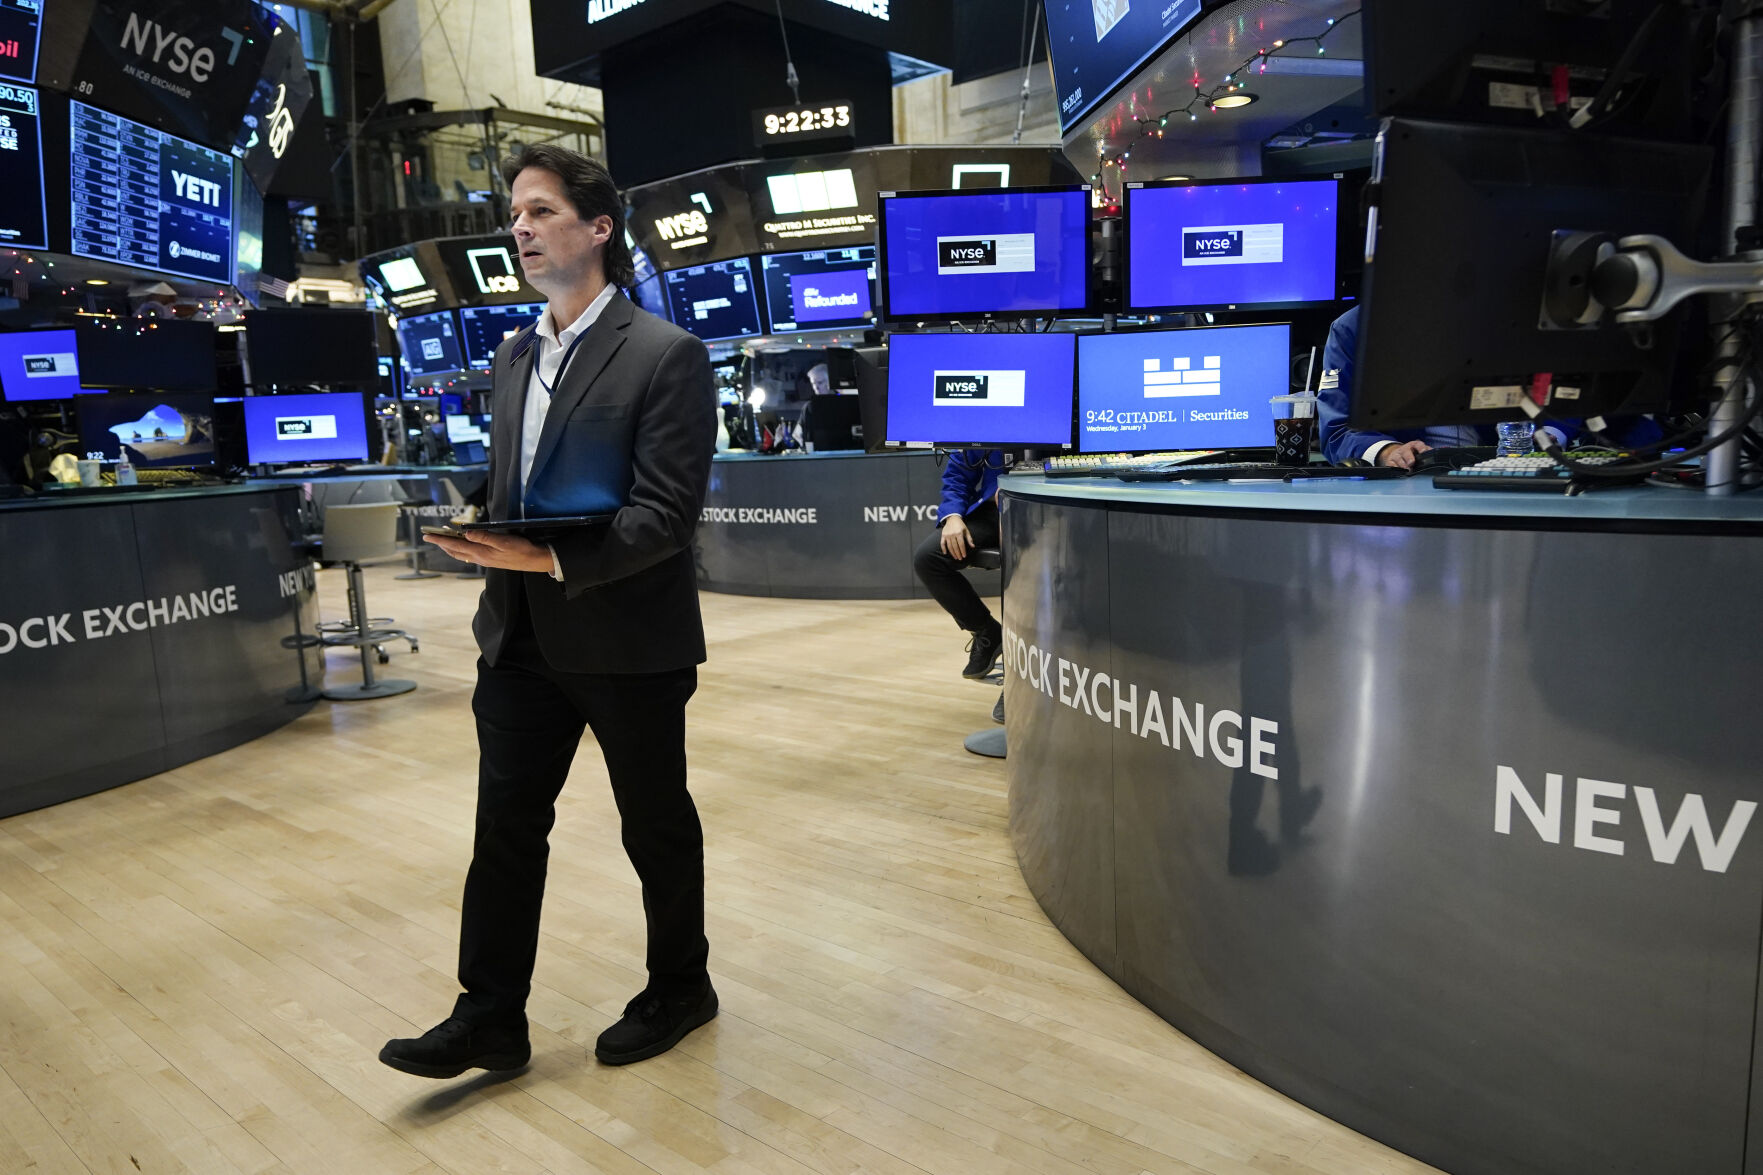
<point x="628" y="602"/>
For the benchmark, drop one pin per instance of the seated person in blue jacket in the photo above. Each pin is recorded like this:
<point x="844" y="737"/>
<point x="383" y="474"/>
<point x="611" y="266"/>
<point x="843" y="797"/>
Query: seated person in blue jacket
<point x="967" y="519"/>
<point x="1399" y="449"/>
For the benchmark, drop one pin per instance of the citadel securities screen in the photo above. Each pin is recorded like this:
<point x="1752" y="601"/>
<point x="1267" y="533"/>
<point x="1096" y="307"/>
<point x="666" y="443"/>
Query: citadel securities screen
<point x="144" y="197"/>
<point x="38" y="365"/>
<point x="22" y="223"/>
<point x="974" y="389"/>
<point x="1097" y="44"/>
<point x="819" y="290"/>
<point x="1180" y="389"/>
<point x="1236" y="244"/>
<point x="997" y="252"/>
<point x="321" y="426"/>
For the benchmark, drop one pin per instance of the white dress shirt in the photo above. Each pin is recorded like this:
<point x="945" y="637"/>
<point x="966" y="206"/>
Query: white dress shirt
<point x="550" y="346"/>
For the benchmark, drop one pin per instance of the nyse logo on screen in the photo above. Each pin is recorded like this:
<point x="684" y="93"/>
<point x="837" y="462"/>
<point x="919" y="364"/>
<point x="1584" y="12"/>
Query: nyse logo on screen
<point x="959" y="254"/>
<point x="1233" y="244"/>
<point x="46" y="366"/>
<point x="305" y="428"/>
<point x="147" y="39"/>
<point x="1212" y="244"/>
<point x="962" y="387"/>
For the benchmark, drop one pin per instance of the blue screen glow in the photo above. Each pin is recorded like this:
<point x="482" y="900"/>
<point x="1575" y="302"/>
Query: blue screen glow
<point x="1180" y="389"/>
<point x="973" y="389"/>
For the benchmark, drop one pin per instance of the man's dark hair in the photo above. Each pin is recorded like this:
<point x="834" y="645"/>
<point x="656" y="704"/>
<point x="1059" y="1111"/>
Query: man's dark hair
<point x="589" y="187"/>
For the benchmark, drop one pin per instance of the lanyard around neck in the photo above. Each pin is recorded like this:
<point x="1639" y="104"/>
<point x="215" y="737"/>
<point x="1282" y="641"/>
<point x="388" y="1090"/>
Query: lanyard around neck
<point x="561" y="367"/>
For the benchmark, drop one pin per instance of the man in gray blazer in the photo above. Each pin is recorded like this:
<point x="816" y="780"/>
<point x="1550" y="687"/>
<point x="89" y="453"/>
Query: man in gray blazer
<point x="598" y="628"/>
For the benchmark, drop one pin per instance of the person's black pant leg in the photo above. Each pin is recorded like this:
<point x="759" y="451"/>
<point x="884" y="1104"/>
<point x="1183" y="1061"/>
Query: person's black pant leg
<point x="528" y="728"/>
<point x="941" y="574"/>
<point x="639" y="721"/>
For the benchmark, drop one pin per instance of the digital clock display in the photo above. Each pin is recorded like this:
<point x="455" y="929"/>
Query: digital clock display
<point x="809" y="120"/>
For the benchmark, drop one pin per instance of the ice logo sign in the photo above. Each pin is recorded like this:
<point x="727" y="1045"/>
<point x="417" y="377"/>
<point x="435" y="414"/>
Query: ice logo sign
<point x="982" y="389"/>
<point x="1233" y="244"/>
<point x="1003" y="253"/>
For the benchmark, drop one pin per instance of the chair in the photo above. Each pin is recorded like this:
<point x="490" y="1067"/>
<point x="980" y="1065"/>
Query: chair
<point x="990" y="742"/>
<point x="354" y="535"/>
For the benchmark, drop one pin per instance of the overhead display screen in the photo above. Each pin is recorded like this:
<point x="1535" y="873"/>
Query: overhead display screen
<point x="828" y="200"/>
<point x="1143" y="391"/>
<point x="705" y="216"/>
<point x="1197" y="246"/>
<point x="1098" y="44"/>
<point x="715" y="301"/>
<point x="189" y="67"/>
<point x="485" y="270"/>
<point x="980" y="389"/>
<point x="484" y="327"/>
<point x="996" y="252"/>
<point x="819" y="290"/>
<point x="278" y="99"/>
<point x="21" y="28"/>
<point x="22" y="222"/>
<point x="38" y="365"/>
<point x="430" y="343"/>
<point x="147" y="198"/>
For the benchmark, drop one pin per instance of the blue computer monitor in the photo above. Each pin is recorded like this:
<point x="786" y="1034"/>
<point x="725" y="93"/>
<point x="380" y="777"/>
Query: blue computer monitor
<point x="822" y="289"/>
<point x="715" y="301"/>
<point x="430" y="343"/>
<point x="1233" y="245"/>
<point x="980" y="389"/>
<point x="484" y="327"/>
<point x="1207" y="388"/>
<point x="998" y="251"/>
<point x="306" y="429"/>
<point x="38" y="365"/>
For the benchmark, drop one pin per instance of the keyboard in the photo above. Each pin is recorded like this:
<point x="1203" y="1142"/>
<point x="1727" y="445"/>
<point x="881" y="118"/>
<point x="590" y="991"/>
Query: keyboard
<point x="173" y="477"/>
<point x="1532" y="472"/>
<point x="1109" y="464"/>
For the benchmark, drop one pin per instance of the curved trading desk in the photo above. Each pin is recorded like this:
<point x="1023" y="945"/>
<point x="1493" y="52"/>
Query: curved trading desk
<point x="1431" y="810"/>
<point x="820" y="526"/>
<point x="146" y="630"/>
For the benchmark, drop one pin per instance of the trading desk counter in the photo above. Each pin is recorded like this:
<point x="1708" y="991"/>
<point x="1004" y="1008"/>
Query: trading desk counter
<point x="141" y="631"/>
<point x="825" y="526"/>
<point x="1432" y="810"/>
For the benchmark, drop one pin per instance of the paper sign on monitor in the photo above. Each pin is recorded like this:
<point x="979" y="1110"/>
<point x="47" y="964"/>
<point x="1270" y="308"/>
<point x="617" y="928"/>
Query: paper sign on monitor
<point x="305" y="428"/>
<point x="1000" y="253"/>
<point x="979" y="389"/>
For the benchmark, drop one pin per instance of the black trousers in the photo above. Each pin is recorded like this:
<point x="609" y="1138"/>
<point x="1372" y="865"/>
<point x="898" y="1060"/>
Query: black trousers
<point x="530" y="719"/>
<point x="942" y="574"/>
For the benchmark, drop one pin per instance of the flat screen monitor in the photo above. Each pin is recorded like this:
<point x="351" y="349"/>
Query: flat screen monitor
<point x="21" y="27"/>
<point x="1003" y="251"/>
<point x="168" y="355"/>
<point x="1232" y="245"/>
<point x="150" y="429"/>
<point x="430" y="343"/>
<point x="306" y="428"/>
<point x="1098" y="44"/>
<point x="715" y="301"/>
<point x="247" y="237"/>
<point x="23" y="223"/>
<point x="38" y="365"/>
<point x="819" y="290"/>
<point x="1207" y="388"/>
<point x="465" y="426"/>
<point x="980" y="389"/>
<point x="482" y="329"/>
<point x="311" y="346"/>
<point x="148" y="198"/>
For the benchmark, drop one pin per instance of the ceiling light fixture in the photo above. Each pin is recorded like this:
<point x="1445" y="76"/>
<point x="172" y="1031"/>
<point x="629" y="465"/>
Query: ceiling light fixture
<point x="1232" y="101"/>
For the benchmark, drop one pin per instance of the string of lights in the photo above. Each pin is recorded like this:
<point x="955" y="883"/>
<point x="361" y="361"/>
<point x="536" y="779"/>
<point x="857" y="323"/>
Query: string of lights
<point x="1219" y="96"/>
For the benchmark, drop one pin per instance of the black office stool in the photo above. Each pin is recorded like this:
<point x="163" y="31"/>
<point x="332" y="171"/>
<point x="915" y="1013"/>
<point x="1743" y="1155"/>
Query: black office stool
<point x="989" y="742"/>
<point x="354" y="535"/>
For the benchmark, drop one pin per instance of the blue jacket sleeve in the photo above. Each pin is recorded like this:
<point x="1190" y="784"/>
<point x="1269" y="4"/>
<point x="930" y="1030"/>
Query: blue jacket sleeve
<point x="1334" y="394"/>
<point x="961" y="475"/>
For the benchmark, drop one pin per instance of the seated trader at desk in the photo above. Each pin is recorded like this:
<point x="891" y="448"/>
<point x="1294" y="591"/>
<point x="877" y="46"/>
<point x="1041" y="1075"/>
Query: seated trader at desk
<point x="1399" y="449"/>
<point x="966" y="519"/>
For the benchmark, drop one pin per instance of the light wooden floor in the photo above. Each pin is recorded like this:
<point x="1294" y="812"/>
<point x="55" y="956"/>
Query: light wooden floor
<point x="197" y="970"/>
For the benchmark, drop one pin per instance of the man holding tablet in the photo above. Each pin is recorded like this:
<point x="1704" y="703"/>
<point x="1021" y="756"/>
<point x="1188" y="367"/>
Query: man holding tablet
<point x="596" y="628"/>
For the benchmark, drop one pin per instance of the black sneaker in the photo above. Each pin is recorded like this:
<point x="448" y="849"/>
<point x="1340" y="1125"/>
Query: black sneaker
<point x="454" y="1045"/>
<point x="998" y="710"/>
<point x="983" y="651"/>
<point x="652" y="1024"/>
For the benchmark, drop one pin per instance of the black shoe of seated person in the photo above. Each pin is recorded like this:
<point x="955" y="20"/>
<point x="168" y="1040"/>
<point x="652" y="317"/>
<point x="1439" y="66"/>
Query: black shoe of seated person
<point x="653" y="1023"/>
<point x="983" y="650"/>
<point x="454" y="1045"/>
